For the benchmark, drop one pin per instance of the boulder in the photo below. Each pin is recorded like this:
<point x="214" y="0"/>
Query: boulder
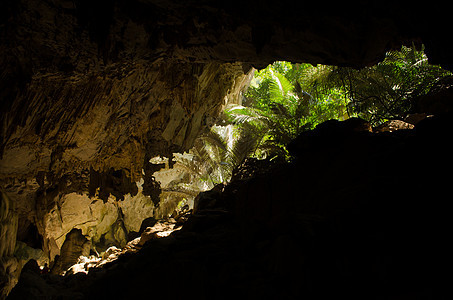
<point x="110" y="251"/>
<point x="394" y="125"/>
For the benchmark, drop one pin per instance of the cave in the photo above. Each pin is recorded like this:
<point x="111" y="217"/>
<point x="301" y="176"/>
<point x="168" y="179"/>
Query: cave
<point x="95" y="94"/>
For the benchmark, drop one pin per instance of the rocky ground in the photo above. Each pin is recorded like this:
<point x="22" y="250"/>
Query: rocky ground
<point x="356" y="215"/>
<point x="162" y="228"/>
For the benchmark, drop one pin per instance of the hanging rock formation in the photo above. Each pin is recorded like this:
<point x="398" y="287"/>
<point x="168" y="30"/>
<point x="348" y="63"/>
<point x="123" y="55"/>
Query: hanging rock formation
<point x="76" y="156"/>
<point x="79" y="124"/>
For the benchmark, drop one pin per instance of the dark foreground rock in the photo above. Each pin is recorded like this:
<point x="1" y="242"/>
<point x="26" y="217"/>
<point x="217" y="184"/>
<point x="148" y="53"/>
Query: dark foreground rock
<point x="357" y="215"/>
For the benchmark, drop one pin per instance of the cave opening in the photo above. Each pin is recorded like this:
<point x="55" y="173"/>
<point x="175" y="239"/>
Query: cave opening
<point x="136" y="145"/>
<point x="284" y="100"/>
<point x="252" y="137"/>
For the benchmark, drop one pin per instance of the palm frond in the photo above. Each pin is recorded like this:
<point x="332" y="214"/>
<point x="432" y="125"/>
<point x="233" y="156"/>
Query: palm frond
<point x="384" y="90"/>
<point x="245" y="145"/>
<point x="279" y="87"/>
<point x="214" y="138"/>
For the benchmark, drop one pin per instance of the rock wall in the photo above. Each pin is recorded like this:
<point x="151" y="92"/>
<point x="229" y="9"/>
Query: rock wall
<point x="80" y="145"/>
<point x="78" y="127"/>
<point x="8" y="231"/>
<point x="68" y="138"/>
<point x="108" y="121"/>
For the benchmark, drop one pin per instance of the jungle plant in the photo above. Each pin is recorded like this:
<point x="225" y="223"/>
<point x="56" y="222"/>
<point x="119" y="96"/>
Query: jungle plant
<point x="279" y="108"/>
<point x="216" y="153"/>
<point x="285" y="99"/>
<point x="384" y="91"/>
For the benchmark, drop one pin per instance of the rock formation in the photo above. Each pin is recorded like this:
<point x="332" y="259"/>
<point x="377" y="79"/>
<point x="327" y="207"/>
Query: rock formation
<point x="8" y="231"/>
<point x="361" y="220"/>
<point x="91" y="91"/>
<point x="54" y="171"/>
<point x="75" y="245"/>
<point x="76" y="141"/>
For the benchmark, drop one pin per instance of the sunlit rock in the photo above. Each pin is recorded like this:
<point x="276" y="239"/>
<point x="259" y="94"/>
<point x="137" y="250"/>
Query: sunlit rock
<point x="135" y="209"/>
<point x="93" y="217"/>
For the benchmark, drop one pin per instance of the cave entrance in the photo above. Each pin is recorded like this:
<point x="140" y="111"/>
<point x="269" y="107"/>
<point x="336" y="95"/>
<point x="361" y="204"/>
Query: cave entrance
<point x="282" y="101"/>
<point x="286" y="99"/>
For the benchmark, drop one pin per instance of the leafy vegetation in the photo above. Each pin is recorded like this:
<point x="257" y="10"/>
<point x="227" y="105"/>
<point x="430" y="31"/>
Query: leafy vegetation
<point x="384" y="91"/>
<point x="216" y="154"/>
<point x="278" y="107"/>
<point x="286" y="99"/>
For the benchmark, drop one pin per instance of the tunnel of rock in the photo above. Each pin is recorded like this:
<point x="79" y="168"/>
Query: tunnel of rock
<point x="91" y="91"/>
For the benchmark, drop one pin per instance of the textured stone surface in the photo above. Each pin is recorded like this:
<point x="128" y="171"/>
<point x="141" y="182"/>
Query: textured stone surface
<point x="74" y="246"/>
<point x="86" y="264"/>
<point x="93" y="217"/>
<point x="8" y="223"/>
<point x="78" y="35"/>
<point x="108" y="121"/>
<point x="394" y="125"/>
<point x="135" y="210"/>
<point x="74" y="137"/>
<point x="8" y="231"/>
<point x="24" y="253"/>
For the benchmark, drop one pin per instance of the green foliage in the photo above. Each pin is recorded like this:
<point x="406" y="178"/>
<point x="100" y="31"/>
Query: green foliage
<point x="286" y="99"/>
<point x="279" y="107"/>
<point x="384" y="91"/>
<point x="216" y="153"/>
